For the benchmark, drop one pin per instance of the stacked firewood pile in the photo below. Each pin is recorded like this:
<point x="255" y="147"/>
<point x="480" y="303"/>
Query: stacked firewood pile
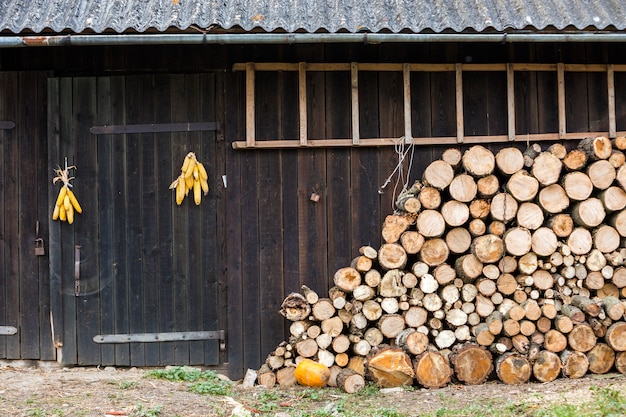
<point x="508" y="265"/>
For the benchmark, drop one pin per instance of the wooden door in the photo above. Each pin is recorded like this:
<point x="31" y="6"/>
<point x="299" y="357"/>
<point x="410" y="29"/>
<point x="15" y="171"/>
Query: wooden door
<point x="134" y="269"/>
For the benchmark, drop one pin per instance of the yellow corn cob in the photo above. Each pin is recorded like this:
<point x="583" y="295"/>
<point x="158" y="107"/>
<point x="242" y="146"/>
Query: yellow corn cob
<point x="74" y="201"/>
<point x="70" y="215"/>
<point x="196" y="174"/>
<point x="202" y="171"/>
<point x="62" y="215"/>
<point x="188" y="182"/>
<point x="186" y="162"/>
<point x="61" y="196"/>
<point x="197" y="196"/>
<point x="67" y="204"/>
<point x="205" y="186"/>
<point x="55" y="213"/>
<point x="189" y="171"/>
<point x="180" y="190"/>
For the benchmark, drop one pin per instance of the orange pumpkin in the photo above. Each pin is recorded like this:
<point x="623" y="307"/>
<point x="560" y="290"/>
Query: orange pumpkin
<point x="312" y="374"/>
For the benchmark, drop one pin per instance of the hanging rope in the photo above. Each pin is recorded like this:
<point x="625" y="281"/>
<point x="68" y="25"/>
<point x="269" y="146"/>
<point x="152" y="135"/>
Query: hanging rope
<point x="401" y="151"/>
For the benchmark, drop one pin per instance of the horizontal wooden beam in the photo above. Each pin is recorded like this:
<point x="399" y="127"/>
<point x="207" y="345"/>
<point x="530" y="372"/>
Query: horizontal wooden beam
<point x="6" y="124"/>
<point x="159" y="337"/>
<point x="153" y="128"/>
<point x="439" y="140"/>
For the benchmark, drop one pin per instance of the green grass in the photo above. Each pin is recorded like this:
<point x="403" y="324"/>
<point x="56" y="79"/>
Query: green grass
<point x="201" y="382"/>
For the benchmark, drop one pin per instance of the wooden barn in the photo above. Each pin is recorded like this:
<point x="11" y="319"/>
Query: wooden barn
<point x="309" y="117"/>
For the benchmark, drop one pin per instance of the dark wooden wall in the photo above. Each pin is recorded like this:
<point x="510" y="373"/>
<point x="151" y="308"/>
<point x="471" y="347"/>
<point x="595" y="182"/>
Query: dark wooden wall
<point x="270" y="237"/>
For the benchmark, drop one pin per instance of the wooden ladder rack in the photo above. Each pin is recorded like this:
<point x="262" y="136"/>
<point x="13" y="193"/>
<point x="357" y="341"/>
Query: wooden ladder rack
<point x="405" y="68"/>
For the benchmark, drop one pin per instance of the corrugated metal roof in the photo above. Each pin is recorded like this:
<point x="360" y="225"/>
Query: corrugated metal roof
<point x="20" y="16"/>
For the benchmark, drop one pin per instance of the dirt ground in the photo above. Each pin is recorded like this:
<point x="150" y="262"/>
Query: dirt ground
<point x="54" y="391"/>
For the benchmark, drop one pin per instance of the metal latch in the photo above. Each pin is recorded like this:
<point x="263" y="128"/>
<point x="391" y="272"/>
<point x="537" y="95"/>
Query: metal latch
<point x="77" y="270"/>
<point x="40" y="250"/>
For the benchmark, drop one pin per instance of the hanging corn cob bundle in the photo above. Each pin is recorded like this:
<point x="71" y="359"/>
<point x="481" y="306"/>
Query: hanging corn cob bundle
<point x="66" y="204"/>
<point x="193" y="176"/>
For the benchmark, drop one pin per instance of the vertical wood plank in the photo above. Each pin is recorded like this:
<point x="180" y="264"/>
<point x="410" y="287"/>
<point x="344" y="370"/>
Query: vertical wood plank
<point x="196" y="251"/>
<point x="119" y="105"/>
<point x="168" y="169"/>
<point x="151" y="195"/>
<point x="561" y="100"/>
<point x="354" y="76"/>
<point x="105" y="217"/>
<point x="250" y="106"/>
<point x="46" y="347"/>
<point x="180" y="224"/>
<point x="85" y="225"/>
<point x="4" y="137"/>
<point x="459" y="102"/>
<point x="302" y="103"/>
<point x="235" y="124"/>
<point x="406" y="81"/>
<point x="510" y="100"/>
<point x="54" y="229"/>
<point x="610" y="84"/>
<point x="137" y="98"/>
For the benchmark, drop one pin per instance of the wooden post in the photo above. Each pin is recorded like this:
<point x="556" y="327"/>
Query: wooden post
<point x="561" y="99"/>
<point x="510" y="98"/>
<point x="354" y="76"/>
<point x="302" y="103"/>
<point x="406" y="78"/>
<point x="250" y="133"/>
<point x="459" y="103"/>
<point x="610" y="81"/>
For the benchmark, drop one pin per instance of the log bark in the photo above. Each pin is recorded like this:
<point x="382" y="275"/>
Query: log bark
<point x="530" y="153"/>
<point x="432" y="370"/>
<point x="389" y="367"/>
<point x="596" y="148"/>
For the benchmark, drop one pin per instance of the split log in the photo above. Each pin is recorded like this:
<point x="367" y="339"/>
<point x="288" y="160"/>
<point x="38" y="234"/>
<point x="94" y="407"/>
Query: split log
<point x="601" y="358"/>
<point x="613" y="198"/>
<point x="347" y="279"/>
<point x="577" y="185"/>
<point x="596" y="148"/>
<point x="547" y="168"/>
<point x="478" y="161"/>
<point x="616" y="336"/>
<point x="503" y="207"/>
<point x="412" y="341"/>
<point x="286" y="377"/>
<point x="430" y="223"/>
<point x="454" y="213"/>
<point x="434" y="252"/>
<point x="438" y="174"/>
<point x="463" y="188"/>
<point x="295" y="307"/>
<point x="530" y="216"/>
<point x="509" y="160"/>
<point x="512" y="368"/>
<point x="575" y="160"/>
<point x="390" y="256"/>
<point x="589" y="213"/>
<point x="581" y="338"/>
<point x="350" y="381"/>
<point x="547" y="366"/>
<point x="394" y="226"/>
<point x="389" y="367"/>
<point x="432" y="370"/>
<point x="522" y="186"/>
<point x="488" y="186"/>
<point x="575" y="364"/>
<point x="430" y="197"/>
<point x="553" y="199"/>
<point x="601" y="173"/>
<point x="472" y="363"/>
<point x="562" y="224"/>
